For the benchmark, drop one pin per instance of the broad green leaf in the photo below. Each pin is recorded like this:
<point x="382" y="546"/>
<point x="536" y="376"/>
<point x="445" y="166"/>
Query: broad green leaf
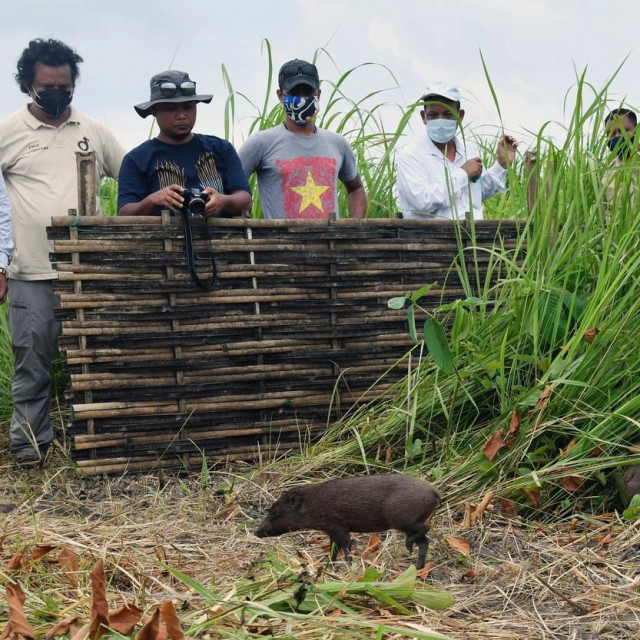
<point x="396" y="303"/>
<point x="437" y="344"/>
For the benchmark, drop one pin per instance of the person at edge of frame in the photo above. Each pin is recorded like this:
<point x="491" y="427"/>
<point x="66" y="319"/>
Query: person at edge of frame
<point x="620" y="127"/>
<point x="39" y="144"/>
<point x="440" y="174"/>
<point x="297" y="163"/>
<point x="154" y="174"/>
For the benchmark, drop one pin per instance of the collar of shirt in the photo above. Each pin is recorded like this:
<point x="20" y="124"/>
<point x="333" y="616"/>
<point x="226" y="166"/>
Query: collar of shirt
<point x="33" y="122"/>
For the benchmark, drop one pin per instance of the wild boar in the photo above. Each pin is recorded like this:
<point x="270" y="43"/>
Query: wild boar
<point x="631" y="479"/>
<point x="362" y="504"/>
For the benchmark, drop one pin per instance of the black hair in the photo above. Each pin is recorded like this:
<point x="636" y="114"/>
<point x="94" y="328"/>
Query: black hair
<point x="53" y="53"/>
<point x="621" y="112"/>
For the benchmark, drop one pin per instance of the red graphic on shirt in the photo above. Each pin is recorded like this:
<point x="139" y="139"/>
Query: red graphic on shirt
<point x="308" y="186"/>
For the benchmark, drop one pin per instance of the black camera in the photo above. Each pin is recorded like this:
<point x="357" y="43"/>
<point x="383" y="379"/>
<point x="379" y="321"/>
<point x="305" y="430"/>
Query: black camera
<point x="194" y="202"/>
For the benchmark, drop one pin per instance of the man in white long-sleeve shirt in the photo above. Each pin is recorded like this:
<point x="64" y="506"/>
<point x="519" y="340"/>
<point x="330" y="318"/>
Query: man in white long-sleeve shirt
<point x="440" y="174"/>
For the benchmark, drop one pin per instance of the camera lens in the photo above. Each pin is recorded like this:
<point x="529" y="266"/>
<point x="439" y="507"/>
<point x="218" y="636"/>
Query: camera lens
<point x="196" y="206"/>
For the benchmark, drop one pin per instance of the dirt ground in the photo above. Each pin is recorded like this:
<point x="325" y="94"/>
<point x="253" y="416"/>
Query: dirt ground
<point x="578" y="578"/>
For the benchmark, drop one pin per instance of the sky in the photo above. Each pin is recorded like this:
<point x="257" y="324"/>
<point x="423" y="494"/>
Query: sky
<point x="533" y="50"/>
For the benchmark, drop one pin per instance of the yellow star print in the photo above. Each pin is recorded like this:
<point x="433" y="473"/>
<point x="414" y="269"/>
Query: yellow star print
<point x="310" y="193"/>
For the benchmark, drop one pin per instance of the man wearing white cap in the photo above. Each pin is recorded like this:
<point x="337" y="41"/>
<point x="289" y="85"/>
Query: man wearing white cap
<point x="440" y="175"/>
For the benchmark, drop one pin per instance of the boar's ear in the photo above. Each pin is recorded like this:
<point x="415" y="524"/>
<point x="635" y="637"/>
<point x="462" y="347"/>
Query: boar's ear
<point x="294" y="499"/>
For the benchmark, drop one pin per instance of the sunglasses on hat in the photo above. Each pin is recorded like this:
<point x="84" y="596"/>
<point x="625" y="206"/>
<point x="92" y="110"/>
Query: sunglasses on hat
<point x="171" y="89"/>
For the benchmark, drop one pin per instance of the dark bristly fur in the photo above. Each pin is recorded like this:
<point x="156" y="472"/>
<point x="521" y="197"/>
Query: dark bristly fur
<point x="363" y="504"/>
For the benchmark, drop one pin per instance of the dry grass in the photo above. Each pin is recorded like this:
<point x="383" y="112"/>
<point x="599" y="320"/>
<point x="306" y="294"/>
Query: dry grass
<point x="573" y="579"/>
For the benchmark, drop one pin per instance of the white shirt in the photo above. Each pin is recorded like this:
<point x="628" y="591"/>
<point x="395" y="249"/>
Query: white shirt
<point x="430" y="185"/>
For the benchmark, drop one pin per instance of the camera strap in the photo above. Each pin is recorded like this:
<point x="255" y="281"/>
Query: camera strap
<point x="191" y="254"/>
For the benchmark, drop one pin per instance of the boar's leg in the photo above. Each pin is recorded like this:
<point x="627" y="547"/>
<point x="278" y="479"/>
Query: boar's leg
<point x="418" y="535"/>
<point x="339" y="539"/>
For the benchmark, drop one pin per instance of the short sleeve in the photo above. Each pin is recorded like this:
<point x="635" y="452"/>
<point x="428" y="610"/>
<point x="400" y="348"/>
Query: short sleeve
<point x="132" y="183"/>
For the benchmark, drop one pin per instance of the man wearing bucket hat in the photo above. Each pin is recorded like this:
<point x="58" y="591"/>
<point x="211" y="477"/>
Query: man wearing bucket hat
<point x="441" y="174"/>
<point x="38" y="159"/>
<point x="297" y="163"/>
<point x="154" y="174"/>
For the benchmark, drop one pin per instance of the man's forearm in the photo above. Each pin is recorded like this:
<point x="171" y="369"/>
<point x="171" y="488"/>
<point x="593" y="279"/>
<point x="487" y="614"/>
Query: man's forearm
<point x="357" y="203"/>
<point x="145" y="207"/>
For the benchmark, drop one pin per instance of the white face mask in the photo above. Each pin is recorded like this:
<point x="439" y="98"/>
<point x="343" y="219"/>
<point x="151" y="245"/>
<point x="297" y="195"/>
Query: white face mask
<point x="441" y="130"/>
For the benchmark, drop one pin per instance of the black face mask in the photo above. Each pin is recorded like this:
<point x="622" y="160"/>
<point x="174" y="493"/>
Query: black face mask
<point x="53" y="101"/>
<point x="622" y="146"/>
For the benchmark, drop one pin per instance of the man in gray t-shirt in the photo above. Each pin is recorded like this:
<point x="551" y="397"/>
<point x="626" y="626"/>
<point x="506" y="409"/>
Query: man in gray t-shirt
<point x="298" y="165"/>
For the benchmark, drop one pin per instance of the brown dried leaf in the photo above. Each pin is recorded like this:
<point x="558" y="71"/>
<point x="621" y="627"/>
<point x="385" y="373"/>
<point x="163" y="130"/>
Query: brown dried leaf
<point x="389" y="455"/>
<point x="508" y="508"/>
<point x="468" y="576"/>
<point x="426" y="570"/>
<point x="99" y="605"/>
<point x="124" y="619"/>
<point x="17" y="561"/>
<point x="493" y="445"/>
<point x="603" y="541"/>
<point x="572" y="484"/>
<point x="18" y="624"/>
<point x="469" y="511"/>
<point x="514" y="423"/>
<point x="151" y="628"/>
<point x="534" y="497"/>
<point x="544" y="398"/>
<point x="41" y="550"/>
<point x="69" y="561"/>
<point x="81" y="633"/>
<point x="171" y="620"/>
<point x="373" y="545"/>
<point x="459" y="544"/>
<point x="590" y="334"/>
<point x="66" y="625"/>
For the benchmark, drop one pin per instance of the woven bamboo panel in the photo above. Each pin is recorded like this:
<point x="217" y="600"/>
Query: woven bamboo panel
<point x="296" y="330"/>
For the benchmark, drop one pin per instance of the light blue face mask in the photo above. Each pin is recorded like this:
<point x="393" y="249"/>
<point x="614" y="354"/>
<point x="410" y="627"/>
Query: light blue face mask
<point x="441" y="130"/>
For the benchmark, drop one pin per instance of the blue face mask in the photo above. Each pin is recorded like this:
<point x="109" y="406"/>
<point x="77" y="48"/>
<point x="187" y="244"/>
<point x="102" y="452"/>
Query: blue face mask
<point x="441" y="130"/>
<point x="299" y="109"/>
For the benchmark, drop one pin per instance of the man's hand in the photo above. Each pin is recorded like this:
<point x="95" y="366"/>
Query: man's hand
<point x="217" y="202"/>
<point x="473" y="168"/>
<point x="3" y="288"/>
<point x="167" y="198"/>
<point x="506" y="151"/>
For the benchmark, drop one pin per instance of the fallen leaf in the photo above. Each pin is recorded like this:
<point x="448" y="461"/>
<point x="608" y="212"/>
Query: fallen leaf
<point x="151" y="629"/>
<point x="389" y="455"/>
<point x="81" y="633"/>
<point x="590" y="334"/>
<point x="573" y="484"/>
<point x="534" y="497"/>
<point x="69" y="561"/>
<point x="469" y="510"/>
<point x="66" y="625"/>
<point x="426" y="570"/>
<point x="459" y="544"/>
<point x="468" y="576"/>
<point x="544" y="398"/>
<point x="514" y="423"/>
<point x="372" y="546"/>
<point x="508" y="508"/>
<point x="171" y="620"/>
<point x="603" y="541"/>
<point x="16" y="561"/>
<point x="574" y="524"/>
<point x="124" y="619"/>
<point x="41" y="550"/>
<point x="18" y="624"/>
<point x="493" y="445"/>
<point x="99" y="605"/>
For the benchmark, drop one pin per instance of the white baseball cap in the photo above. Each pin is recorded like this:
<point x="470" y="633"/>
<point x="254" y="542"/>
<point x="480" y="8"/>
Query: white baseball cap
<point x="442" y="90"/>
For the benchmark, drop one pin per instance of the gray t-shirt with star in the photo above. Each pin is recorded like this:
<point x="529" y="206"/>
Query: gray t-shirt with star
<point x="298" y="174"/>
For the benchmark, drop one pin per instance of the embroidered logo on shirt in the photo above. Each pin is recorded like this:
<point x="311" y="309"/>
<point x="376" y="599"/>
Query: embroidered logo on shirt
<point x="308" y="186"/>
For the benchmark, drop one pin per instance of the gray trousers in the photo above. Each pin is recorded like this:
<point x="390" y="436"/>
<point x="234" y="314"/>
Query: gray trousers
<point x="34" y="334"/>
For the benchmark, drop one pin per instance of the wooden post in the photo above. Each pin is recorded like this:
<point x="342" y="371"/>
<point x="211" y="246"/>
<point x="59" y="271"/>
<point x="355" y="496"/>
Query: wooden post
<point x="86" y="164"/>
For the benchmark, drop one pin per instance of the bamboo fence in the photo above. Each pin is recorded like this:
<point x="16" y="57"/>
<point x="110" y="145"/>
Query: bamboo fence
<point x="296" y="331"/>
